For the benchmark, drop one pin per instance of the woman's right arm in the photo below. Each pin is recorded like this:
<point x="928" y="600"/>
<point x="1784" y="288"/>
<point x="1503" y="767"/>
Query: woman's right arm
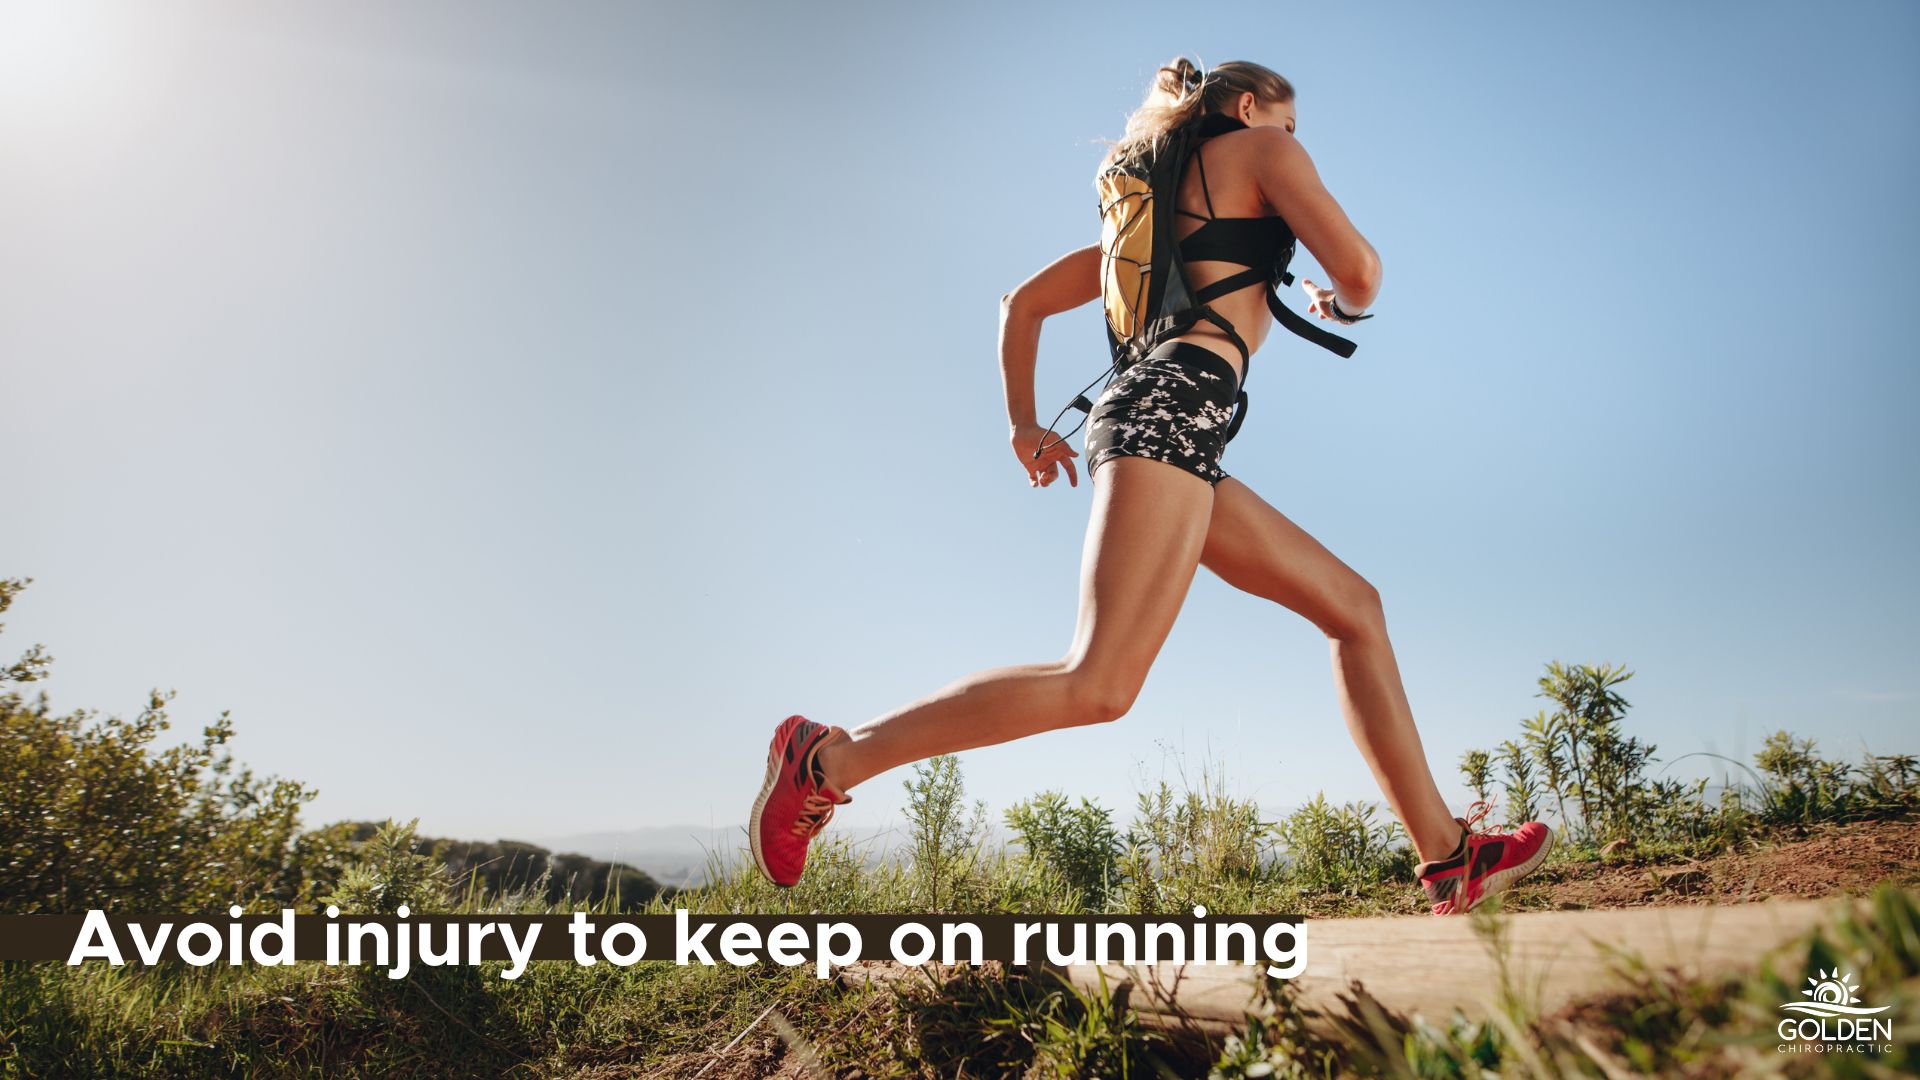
<point x="1291" y="185"/>
<point x="1066" y="283"/>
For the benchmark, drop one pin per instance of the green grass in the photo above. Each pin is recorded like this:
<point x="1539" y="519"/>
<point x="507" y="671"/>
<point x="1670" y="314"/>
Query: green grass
<point x="561" y="1020"/>
<point x="558" y="1019"/>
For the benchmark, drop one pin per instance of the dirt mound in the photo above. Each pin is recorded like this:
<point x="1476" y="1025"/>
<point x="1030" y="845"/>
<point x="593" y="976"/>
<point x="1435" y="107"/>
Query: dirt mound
<point x="1826" y="861"/>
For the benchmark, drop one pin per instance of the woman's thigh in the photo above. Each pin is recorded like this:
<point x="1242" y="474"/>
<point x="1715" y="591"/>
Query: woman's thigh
<point x="1149" y="523"/>
<point x="1257" y="549"/>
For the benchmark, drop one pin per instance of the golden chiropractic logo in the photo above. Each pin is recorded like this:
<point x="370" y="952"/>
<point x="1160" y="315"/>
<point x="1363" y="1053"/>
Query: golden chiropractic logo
<point x="1833" y="1020"/>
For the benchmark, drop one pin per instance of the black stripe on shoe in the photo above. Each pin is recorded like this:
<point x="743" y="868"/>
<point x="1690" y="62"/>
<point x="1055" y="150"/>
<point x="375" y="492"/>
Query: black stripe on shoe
<point x="811" y="733"/>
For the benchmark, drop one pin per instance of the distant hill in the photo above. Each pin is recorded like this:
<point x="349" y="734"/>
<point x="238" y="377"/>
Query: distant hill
<point x="679" y="855"/>
<point x="514" y="865"/>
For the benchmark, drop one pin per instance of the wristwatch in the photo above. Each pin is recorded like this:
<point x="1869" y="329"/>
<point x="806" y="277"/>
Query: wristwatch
<point x="1333" y="305"/>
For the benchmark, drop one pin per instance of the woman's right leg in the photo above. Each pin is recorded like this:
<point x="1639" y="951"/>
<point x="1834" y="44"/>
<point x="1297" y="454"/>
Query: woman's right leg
<point x="1254" y="547"/>
<point x="1257" y="549"/>
<point x="1148" y="527"/>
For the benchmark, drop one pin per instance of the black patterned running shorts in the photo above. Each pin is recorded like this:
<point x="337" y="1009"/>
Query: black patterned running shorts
<point x="1172" y="406"/>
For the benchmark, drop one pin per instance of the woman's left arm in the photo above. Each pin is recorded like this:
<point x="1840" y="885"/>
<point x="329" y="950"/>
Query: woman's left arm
<point x="1064" y="284"/>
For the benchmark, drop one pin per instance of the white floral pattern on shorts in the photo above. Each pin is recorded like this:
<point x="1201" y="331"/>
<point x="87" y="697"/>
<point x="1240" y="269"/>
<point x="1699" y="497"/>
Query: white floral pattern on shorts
<point x="1173" y="406"/>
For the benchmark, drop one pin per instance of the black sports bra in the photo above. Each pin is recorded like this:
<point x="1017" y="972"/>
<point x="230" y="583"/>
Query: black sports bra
<point x="1257" y="242"/>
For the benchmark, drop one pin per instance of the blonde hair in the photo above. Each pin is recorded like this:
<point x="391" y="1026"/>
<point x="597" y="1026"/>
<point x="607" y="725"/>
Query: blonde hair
<point x="1182" y="92"/>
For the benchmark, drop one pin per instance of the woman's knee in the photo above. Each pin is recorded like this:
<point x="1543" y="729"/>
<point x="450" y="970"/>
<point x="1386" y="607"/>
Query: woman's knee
<point x="1097" y="696"/>
<point x="1357" y="613"/>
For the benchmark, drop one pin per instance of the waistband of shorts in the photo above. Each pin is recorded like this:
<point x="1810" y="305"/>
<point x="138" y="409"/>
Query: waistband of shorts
<point x="1187" y="352"/>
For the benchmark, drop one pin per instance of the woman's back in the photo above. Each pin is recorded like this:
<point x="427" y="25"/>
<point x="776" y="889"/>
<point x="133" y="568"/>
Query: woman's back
<point x="1220" y="211"/>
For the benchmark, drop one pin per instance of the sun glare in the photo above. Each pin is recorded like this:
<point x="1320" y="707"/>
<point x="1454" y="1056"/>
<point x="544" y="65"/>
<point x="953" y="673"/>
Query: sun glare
<point x="58" y="57"/>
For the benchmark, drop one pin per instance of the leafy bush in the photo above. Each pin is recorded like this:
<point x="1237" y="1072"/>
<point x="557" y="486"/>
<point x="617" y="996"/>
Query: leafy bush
<point x="1080" y="842"/>
<point x="1607" y="766"/>
<point x="1800" y="786"/>
<point x="1201" y="846"/>
<point x="1522" y="793"/>
<point x="1477" y="767"/>
<point x="91" y="817"/>
<point x="1343" y="848"/>
<point x="391" y="873"/>
<point x="946" y="838"/>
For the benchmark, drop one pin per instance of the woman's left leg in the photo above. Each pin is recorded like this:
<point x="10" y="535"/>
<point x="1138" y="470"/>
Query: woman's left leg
<point x="1142" y="549"/>
<point x="1150" y="519"/>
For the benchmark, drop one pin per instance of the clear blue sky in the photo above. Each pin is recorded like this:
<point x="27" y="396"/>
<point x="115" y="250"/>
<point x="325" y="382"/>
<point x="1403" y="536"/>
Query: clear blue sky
<point x="510" y="412"/>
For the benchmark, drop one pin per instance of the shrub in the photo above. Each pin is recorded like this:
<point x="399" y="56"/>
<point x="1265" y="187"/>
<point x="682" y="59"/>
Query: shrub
<point x="1522" y="793"/>
<point x="946" y="838"/>
<point x="1078" y="841"/>
<point x="1201" y="846"/>
<point x="1343" y="848"/>
<point x="1477" y="767"/>
<point x="1800" y="786"/>
<point x="389" y="873"/>
<point x="92" y="817"/>
<point x="1607" y="766"/>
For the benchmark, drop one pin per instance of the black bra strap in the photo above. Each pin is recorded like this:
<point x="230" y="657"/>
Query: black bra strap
<point x="1201" y="160"/>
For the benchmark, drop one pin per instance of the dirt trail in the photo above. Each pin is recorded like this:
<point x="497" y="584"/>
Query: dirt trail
<point x="1829" y="860"/>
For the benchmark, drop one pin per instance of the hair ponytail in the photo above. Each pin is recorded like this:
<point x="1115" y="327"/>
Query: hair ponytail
<point x="1182" y="92"/>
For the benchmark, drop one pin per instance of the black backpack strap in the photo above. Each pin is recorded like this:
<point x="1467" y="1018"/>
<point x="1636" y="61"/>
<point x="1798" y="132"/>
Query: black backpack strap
<point x="1246" y="360"/>
<point x="1286" y="316"/>
<point x="1246" y="354"/>
<point x="1251" y="276"/>
<point x="1298" y="323"/>
<point x="1239" y="414"/>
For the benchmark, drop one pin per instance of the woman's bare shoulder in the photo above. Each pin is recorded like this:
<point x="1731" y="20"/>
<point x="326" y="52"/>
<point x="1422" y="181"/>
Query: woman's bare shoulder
<point x="1275" y="159"/>
<point x="1267" y="143"/>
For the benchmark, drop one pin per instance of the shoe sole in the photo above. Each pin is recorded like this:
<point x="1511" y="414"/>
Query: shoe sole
<point x="1497" y="882"/>
<point x="759" y="804"/>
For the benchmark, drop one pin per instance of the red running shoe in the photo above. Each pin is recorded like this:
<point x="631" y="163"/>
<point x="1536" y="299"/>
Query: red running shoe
<point x="795" y="801"/>
<point x="1486" y="863"/>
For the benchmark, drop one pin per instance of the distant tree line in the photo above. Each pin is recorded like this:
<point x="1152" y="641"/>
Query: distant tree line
<point x="499" y="867"/>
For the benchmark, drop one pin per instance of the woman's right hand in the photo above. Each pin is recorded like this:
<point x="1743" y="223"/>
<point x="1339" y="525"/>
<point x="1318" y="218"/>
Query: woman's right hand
<point x="1045" y="469"/>
<point x="1320" y="302"/>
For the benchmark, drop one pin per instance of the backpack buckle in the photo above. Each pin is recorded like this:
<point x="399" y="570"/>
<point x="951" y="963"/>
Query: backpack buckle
<point x="1239" y="415"/>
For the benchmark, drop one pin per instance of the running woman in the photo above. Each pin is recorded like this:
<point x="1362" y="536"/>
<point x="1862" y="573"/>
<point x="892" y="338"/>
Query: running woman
<point x="1162" y="507"/>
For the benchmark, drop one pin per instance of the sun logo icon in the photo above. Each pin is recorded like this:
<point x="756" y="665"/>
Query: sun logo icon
<point x="1832" y="988"/>
<point x="1833" y="994"/>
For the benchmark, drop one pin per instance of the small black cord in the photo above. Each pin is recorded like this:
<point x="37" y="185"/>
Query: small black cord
<point x="1079" y="401"/>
